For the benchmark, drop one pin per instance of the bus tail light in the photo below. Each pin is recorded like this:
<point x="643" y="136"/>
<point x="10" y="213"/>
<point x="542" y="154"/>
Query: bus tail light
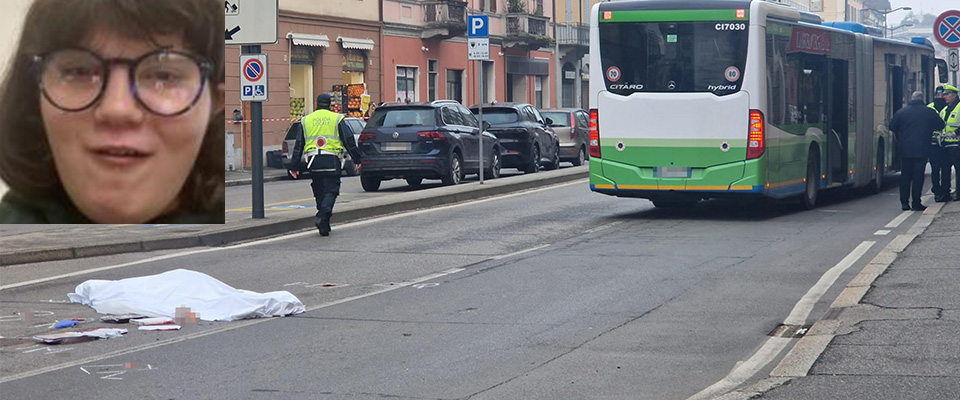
<point x="594" y="133"/>
<point x="755" y="139"/>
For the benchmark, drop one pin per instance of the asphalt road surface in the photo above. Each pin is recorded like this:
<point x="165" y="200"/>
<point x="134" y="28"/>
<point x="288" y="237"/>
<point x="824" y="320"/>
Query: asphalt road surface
<point x="556" y="293"/>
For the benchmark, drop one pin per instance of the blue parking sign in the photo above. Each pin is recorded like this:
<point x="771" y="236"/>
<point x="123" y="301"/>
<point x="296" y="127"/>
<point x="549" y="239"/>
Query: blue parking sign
<point x="248" y="90"/>
<point x="478" y="26"/>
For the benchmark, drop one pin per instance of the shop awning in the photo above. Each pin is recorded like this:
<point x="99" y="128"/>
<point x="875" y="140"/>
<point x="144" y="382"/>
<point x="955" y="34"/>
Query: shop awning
<point x="353" y="43"/>
<point x="306" y="39"/>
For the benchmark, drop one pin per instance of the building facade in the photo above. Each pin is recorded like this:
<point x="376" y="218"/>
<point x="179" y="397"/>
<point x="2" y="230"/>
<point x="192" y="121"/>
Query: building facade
<point x="322" y="47"/>
<point x="572" y="31"/>
<point x="425" y="51"/>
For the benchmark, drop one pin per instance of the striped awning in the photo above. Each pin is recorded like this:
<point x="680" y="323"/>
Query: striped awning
<point x="306" y="39"/>
<point x="353" y="43"/>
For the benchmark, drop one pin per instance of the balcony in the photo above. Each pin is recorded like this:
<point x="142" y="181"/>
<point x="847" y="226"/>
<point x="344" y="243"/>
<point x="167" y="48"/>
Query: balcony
<point x="527" y="30"/>
<point x="572" y="35"/>
<point x="444" y="19"/>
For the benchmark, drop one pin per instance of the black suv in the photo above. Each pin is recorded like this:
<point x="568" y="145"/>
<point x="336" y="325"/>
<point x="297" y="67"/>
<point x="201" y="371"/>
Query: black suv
<point x="527" y="139"/>
<point x="417" y="141"/>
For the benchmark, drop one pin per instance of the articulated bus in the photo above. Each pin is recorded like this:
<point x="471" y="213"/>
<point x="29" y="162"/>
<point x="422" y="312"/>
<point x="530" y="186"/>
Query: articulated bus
<point x="698" y="99"/>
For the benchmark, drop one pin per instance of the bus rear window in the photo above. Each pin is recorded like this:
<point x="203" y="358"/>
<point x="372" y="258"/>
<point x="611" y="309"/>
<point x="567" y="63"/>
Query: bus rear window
<point x="673" y="56"/>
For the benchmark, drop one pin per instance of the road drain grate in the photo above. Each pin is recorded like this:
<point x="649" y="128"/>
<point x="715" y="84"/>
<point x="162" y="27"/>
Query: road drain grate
<point x="790" y="331"/>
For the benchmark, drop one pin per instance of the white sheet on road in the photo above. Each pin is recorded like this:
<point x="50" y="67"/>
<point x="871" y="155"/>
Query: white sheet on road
<point x="160" y="296"/>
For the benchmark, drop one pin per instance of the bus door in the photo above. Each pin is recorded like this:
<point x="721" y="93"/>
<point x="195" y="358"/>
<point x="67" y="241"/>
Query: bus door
<point x="838" y="132"/>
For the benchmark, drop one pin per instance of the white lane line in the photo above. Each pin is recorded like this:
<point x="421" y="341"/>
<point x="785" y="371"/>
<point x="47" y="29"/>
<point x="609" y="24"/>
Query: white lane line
<point x="602" y="227"/>
<point x="519" y="252"/>
<point x="230" y="327"/>
<point x="285" y="237"/>
<point x="882" y="232"/>
<point x="803" y="308"/>
<point x="774" y="345"/>
<point x="899" y="219"/>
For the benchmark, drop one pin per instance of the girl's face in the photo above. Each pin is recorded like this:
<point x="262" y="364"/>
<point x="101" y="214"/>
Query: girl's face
<point x="118" y="162"/>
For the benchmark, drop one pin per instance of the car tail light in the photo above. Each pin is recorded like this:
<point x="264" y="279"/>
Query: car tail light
<point x="573" y="127"/>
<point x="755" y="138"/>
<point x="594" y="133"/>
<point x="286" y="148"/>
<point x="365" y="137"/>
<point x="431" y="135"/>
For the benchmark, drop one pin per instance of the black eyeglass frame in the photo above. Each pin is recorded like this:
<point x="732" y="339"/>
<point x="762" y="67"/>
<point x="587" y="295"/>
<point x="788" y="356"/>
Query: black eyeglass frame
<point x="206" y="69"/>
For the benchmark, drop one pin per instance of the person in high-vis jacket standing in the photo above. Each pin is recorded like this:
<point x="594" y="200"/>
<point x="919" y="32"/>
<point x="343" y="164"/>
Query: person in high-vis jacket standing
<point x="940" y="155"/>
<point x="319" y="150"/>
<point x="948" y="137"/>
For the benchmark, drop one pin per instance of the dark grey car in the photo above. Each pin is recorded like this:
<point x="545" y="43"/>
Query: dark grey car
<point x="571" y="126"/>
<point x="525" y="136"/>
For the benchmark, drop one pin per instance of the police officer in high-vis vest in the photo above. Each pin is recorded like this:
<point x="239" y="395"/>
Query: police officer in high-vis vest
<point x="940" y="160"/>
<point x="948" y="137"/>
<point x="320" y="150"/>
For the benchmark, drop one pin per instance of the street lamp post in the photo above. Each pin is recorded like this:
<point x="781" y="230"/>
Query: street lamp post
<point x="884" y="14"/>
<point x="892" y="30"/>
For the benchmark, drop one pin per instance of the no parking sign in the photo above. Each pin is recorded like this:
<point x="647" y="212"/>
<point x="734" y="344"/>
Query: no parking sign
<point x="253" y="77"/>
<point x="946" y="29"/>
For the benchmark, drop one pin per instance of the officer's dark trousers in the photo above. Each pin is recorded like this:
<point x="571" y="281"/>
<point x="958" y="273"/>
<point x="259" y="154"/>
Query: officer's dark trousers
<point x="940" y="163"/>
<point x="326" y="188"/>
<point x="911" y="180"/>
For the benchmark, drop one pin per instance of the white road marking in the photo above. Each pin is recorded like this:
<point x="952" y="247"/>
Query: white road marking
<point x="516" y="253"/>
<point x="307" y="232"/>
<point x="774" y="345"/>
<point x="882" y="232"/>
<point x="602" y="227"/>
<point x="899" y="219"/>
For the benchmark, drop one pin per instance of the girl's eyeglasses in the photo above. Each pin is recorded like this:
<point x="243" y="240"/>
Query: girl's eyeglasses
<point x="165" y="82"/>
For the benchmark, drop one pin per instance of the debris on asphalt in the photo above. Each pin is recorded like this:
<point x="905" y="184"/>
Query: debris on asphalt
<point x="160" y="295"/>
<point x="120" y="319"/>
<point x="153" y="321"/>
<point x="328" y="285"/>
<point x="159" y="328"/>
<point x="67" y="323"/>
<point x="100" y="333"/>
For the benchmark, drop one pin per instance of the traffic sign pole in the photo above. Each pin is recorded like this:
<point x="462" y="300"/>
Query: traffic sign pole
<point x="256" y="144"/>
<point x="478" y="36"/>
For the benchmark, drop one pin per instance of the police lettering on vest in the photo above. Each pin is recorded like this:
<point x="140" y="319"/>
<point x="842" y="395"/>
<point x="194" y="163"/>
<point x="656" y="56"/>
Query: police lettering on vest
<point x="320" y="133"/>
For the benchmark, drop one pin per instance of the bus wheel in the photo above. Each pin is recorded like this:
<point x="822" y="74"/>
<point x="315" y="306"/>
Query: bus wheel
<point x="877" y="185"/>
<point x="813" y="181"/>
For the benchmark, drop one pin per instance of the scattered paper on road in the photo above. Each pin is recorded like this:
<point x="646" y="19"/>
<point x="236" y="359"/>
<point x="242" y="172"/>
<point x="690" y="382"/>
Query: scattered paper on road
<point x="120" y="319"/>
<point x="152" y="321"/>
<point x="160" y="295"/>
<point x="159" y="328"/>
<point x="101" y="333"/>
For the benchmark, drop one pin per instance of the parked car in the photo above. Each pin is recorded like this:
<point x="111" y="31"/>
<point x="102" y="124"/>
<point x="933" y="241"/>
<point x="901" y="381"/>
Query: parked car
<point x="354" y="124"/>
<point x="417" y="141"/>
<point x="571" y="126"/>
<point x="526" y="137"/>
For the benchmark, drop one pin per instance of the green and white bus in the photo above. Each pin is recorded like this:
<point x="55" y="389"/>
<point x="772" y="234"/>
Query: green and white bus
<point x="698" y="99"/>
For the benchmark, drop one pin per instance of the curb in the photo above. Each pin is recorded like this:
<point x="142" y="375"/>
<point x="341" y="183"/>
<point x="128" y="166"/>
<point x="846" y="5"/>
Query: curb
<point x="256" y="229"/>
<point x="808" y="349"/>
<point x="240" y="182"/>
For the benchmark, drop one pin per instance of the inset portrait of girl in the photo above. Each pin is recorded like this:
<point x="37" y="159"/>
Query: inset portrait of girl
<point x="112" y="112"/>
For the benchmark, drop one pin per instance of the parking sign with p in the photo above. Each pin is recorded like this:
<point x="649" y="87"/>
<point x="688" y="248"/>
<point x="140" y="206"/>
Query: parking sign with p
<point x="477" y="26"/>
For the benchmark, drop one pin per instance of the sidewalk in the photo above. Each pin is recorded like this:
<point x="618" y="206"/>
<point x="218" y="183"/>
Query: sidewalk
<point x="236" y="178"/>
<point x="893" y="333"/>
<point x="77" y="241"/>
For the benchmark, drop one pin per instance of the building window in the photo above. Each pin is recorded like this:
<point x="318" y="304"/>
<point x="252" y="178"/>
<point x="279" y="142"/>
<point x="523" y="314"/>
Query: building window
<point x="406" y="84"/>
<point x="538" y="91"/>
<point x="488" y="5"/>
<point x="432" y="79"/>
<point x="539" y="9"/>
<point x="455" y="85"/>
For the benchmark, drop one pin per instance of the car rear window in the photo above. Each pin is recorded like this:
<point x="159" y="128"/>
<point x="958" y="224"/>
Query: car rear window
<point x="559" y="118"/>
<point x="401" y="117"/>
<point x="498" y="116"/>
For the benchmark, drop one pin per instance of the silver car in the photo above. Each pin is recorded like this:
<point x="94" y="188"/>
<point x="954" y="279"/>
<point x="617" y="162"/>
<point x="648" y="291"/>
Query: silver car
<point x="355" y="124"/>
<point x="572" y="127"/>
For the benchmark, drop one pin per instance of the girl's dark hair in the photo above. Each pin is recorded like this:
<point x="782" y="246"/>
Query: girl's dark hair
<point x="26" y="162"/>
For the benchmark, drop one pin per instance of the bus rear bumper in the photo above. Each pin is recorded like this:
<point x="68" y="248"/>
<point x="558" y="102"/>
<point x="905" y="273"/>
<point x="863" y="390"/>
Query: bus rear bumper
<point x="624" y="180"/>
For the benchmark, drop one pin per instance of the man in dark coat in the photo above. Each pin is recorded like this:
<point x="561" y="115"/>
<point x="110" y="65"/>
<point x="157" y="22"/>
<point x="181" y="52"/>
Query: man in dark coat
<point x="913" y="126"/>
